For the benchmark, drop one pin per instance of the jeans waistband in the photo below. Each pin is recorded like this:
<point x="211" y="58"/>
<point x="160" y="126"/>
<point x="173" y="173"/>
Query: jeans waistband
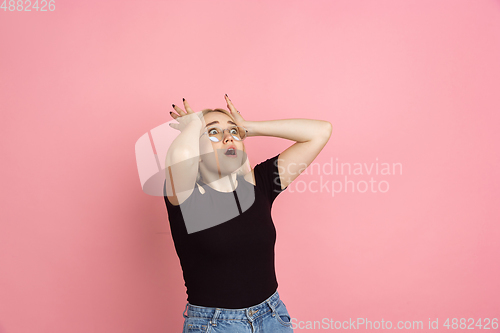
<point x="249" y="313"/>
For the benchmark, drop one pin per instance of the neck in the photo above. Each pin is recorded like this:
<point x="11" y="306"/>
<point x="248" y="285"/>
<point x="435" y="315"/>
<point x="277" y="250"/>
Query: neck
<point x="225" y="184"/>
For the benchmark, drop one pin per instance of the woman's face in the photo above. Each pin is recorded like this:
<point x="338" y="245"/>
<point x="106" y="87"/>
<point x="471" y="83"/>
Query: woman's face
<point x="216" y="156"/>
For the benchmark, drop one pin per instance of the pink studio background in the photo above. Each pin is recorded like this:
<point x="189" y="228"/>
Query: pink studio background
<point x="83" y="249"/>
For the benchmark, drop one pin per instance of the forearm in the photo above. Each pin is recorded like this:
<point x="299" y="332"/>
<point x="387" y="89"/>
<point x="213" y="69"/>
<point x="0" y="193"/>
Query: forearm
<point x="186" y="145"/>
<point x="299" y="130"/>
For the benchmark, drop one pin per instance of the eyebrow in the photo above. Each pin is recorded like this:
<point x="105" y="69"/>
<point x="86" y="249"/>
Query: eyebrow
<point x="216" y="122"/>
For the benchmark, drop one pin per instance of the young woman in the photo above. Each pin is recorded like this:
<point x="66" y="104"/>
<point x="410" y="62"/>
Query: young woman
<point x="220" y="215"/>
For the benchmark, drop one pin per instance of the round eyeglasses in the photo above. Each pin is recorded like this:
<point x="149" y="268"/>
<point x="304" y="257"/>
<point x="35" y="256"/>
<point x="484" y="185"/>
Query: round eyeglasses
<point x="215" y="133"/>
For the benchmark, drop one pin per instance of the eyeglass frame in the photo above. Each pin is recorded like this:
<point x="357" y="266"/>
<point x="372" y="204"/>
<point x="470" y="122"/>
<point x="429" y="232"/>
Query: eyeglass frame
<point x="223" y="130"/>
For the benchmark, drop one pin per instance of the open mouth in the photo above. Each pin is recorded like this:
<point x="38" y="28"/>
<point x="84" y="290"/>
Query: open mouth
<point x="231" y="152"/>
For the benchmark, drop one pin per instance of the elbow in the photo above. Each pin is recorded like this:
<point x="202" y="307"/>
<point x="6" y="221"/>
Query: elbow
<point x="180" y="155"/>
<point x="327" y="132"/>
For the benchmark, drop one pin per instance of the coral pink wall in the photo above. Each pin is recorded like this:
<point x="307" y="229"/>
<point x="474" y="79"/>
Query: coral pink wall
<point x="84" y="249"/>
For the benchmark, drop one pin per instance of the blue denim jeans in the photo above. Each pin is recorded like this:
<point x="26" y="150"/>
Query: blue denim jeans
<point x="270" y="316"/>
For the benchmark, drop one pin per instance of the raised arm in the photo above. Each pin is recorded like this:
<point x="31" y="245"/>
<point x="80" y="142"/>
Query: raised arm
<point x="181" y="161"/>
<point x="310" y="137"/>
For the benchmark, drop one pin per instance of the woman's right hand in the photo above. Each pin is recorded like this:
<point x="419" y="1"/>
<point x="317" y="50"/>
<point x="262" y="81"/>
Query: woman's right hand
<point x="184" y="117"/>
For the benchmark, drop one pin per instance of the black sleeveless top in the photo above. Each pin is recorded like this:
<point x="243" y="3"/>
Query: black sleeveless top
<point x="225" y="241"/>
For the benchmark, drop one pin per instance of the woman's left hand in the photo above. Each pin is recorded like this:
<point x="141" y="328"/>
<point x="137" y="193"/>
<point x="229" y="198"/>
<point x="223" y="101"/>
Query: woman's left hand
<point x="235" y="113"/>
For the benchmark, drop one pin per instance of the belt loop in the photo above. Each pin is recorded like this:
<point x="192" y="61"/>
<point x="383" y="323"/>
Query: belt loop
<point x="213" y="321"/>
<point x="271" y="306"/>
<point x="185" y="310"/>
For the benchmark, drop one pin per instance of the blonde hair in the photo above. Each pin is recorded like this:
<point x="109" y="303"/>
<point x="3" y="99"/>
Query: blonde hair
<point x="246" y="167"/>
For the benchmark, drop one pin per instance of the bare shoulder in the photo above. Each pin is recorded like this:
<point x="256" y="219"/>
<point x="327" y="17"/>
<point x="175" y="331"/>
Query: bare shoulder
<point x="250" y="177"/>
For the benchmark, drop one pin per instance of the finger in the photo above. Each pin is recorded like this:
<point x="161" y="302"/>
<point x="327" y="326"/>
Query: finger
<point x="179" y="110"/>
<point x="230" y="105"/>
<point x="174" y="115"/>
<point x="187" y="107"/>
<point x="176" y="126"/>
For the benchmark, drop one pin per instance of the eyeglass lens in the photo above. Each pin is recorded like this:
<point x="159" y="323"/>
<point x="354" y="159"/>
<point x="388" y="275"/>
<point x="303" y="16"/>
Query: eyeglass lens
<point x="216" y="133"/>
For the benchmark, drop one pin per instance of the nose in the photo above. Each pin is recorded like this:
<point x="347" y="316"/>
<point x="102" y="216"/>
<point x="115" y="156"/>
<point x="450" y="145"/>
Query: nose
<point x="226" y="135"/>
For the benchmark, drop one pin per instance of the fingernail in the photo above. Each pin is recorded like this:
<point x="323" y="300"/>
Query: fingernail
<point x="183" y="99"/>
<point x="173" y="105"/>
<point x="227" y="96"/>
<point x="171" y="112"/>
